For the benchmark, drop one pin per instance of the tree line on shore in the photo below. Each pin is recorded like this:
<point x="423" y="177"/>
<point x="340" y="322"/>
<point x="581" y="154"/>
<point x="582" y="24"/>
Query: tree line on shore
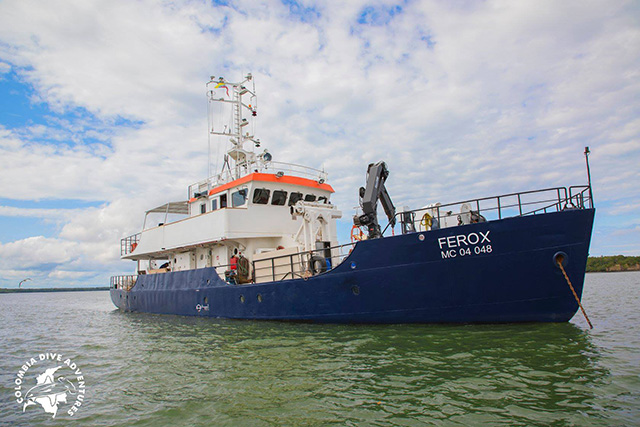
<point x="613" y="263"/>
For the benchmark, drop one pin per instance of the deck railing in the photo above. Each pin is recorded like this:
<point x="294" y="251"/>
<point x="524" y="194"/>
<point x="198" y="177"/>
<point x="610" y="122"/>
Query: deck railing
<point x="300" y="264"/>
<point x="290" y="266"/>
<point x="129" y="244"/>
<point x="125" y="282"/>
<point x="499" y="207"/>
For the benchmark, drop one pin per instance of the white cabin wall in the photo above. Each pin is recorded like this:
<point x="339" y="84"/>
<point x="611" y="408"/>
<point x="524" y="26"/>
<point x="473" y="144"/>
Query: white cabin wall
<point x="205" y="240"/>
<point x="203" y="257"/>
<point x="183" y="261"/>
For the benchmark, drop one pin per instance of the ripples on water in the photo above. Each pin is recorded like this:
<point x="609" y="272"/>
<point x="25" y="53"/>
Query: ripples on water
<point x="166" y="370"/>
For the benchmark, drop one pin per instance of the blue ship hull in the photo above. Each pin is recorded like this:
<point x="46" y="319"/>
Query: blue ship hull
<point x="497" y="271"/>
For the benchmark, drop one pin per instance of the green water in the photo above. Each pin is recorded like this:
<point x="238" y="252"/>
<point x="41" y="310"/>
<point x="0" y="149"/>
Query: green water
<point x="156" y="370"/>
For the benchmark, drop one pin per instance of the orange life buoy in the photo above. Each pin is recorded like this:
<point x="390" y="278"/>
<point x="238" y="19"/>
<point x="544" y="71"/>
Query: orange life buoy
<point x="133" y="246"/>
<point x="356" y="234"/>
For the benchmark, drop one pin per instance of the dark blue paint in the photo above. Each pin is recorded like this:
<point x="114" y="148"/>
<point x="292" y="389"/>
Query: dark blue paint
<point x="402" y="279"/>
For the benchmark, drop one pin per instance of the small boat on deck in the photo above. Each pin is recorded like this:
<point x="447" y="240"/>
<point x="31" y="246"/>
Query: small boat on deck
<point x="258" y="240"/>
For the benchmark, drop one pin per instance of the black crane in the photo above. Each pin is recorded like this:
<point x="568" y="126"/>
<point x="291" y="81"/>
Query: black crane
<point x="375" y="190"/>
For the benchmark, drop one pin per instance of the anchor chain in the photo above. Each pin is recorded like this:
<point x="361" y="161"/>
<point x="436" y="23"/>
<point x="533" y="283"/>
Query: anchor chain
<point x="559" y="261"/>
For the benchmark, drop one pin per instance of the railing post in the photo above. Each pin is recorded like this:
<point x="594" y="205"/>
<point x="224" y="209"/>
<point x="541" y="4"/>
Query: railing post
<point x="291" y="262"/>
<point x="519" y="204"/>
<point x="499" y="209"/>
<point x="273" y="269"/>
<point x="253" y="271"/>
<point x="586" y="158"/>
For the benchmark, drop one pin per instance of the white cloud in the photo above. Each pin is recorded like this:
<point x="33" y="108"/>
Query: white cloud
<point x="461" y="101"/>
<point x="35" y="251"/>
<point x="67" y="274"/>
<point x="54" y="214"/>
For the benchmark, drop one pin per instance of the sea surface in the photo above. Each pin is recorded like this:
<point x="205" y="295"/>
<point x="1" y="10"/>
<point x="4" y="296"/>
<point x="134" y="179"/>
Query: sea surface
<point x="153" y="370"/>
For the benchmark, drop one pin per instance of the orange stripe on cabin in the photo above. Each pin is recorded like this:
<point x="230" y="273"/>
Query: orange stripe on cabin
<point x="267" y="177"/>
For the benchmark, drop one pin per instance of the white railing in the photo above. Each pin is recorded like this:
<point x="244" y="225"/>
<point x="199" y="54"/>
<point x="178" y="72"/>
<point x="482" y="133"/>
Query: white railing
<point x="125" y="282"/>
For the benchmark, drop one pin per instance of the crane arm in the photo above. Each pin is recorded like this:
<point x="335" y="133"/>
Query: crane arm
<point x="375" y="190"/>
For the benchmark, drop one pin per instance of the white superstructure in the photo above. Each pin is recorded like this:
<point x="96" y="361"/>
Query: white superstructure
<point x="255" y="208"/>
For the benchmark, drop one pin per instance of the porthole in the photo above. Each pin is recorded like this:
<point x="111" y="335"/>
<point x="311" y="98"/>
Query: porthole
<point x="355" y="289"/>
<point x="242" y="299"/>
<point x="259" y="298"/>
<point x="421" y="237"/>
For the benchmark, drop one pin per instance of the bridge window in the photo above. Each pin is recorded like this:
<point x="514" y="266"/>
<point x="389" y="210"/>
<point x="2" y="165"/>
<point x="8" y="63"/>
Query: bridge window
<point x="310" y="198"/>
<point x="223" y="201"/>
<point x="261" y="196"/>
<point x="322" y="199"/>
<point x="293" y="199"/>
<point x="279" y="198"/>
<point x="239" y="198"/>
<point x="203" y="208"/>
<point x="214" y="204"/>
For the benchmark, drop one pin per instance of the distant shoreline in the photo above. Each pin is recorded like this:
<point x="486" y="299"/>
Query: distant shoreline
<point x="611" y="271"/>
<point x="612" y="264"/>
<point x="20" y="290"/>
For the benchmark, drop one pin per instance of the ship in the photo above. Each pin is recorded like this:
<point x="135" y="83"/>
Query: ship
<point x="258" y="240"/>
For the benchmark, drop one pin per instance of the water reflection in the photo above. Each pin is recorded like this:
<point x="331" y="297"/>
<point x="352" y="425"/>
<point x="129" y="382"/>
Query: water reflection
<point x="391" y="374"/>
<point x="153" y="370"/>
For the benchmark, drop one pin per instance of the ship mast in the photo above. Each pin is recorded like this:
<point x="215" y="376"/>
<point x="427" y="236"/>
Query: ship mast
<point x="223" y="91"/>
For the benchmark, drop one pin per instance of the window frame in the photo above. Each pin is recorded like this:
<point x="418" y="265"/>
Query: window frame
<point x="257" y="200"/>
<point x="244" y="196"/>
<point x="297" y="200"/>
<point x="281" y="198"/>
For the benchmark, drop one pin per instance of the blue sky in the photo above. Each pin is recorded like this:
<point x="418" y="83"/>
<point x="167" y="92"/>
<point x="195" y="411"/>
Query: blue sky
<point x="103" y="114"/>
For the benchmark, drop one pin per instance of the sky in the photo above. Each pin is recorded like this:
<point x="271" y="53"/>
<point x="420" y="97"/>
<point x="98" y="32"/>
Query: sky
<point x="103" y="112"/>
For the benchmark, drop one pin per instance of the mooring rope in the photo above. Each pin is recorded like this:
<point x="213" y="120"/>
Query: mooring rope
<point x="559" y="261"/>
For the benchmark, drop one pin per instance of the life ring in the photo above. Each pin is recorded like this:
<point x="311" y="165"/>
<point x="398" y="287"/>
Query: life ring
<point x="317" y="265"/>
<point x="133" y="247"/>
<point x="426" y="221"/>
<point x="356" y="234"/>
